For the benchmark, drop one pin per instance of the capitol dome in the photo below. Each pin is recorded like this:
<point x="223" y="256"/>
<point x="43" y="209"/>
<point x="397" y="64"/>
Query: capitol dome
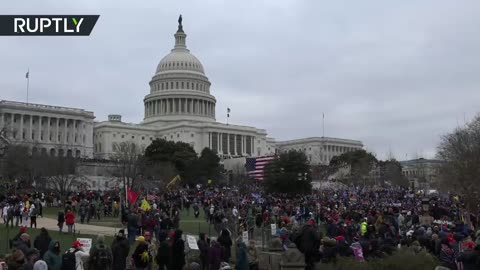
<point x="180" y="60"/>
<point x="179" y="89"/>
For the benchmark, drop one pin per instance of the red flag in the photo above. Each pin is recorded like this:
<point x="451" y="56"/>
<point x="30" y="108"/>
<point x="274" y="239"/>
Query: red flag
<point x="132" y="196"/>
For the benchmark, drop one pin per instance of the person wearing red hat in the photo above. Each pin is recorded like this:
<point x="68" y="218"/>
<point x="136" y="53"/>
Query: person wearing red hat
<point x="75" y="257"/>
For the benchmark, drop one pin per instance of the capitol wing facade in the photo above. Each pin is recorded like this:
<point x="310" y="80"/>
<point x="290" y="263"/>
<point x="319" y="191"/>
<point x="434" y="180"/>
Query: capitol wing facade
<point x="46" y="129"/>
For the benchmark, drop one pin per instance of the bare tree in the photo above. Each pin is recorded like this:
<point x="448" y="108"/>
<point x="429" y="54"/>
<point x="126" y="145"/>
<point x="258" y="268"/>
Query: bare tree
<point x="61" y="174"/>
<point x="460" y="151"/>
<point x="128" y="158"/>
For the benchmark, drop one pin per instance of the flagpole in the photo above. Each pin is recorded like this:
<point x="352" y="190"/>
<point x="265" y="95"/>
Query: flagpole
<point x="28" y="81"/>
<point x="323" y="125"/>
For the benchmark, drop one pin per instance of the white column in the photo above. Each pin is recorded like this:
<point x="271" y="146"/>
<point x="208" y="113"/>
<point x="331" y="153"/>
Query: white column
<point x="57" y="130"/>
<point x="220" y="145"/>
<point x="210" y="140"/>
<point x="21" y="127"/>
<point x="39" y="128"/>
<point x="65" y="131"/>
<point x="30" y="128"/>
<point x="228" y="144"/>
<point x="235" y="144"/>
<point x="48" y="129"/>
<point x="12" y="123"/>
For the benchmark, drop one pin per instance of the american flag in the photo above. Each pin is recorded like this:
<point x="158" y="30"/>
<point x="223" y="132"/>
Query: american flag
<point x="255" y="166"/>
<point x="151" y="197"/>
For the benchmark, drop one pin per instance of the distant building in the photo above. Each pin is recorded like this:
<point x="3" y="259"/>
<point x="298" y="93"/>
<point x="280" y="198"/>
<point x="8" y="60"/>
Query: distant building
<point x="421" y="171"/>
<point x="319" y="150"/>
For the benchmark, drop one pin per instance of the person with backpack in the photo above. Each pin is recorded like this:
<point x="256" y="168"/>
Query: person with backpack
<point x="100" y="256"/>
<point x="33" y="216"/>
<point x="73" y="258"/>
<point x="42" y="241"/>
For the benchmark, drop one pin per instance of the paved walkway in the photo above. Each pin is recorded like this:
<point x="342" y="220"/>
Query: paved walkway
<point x="51" y="224"/>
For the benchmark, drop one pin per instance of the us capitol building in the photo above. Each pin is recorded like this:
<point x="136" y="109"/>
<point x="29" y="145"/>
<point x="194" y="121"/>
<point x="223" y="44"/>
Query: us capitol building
<point x="179" y="107"/>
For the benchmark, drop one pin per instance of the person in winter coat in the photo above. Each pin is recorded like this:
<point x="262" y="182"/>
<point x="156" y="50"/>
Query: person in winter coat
<point x="80" y="255"/>
<point x="16" y="260"/>
<point x="447" y="255"/>
<point x="203" y="247"/>
<point x="308" y="242"/>
<point x="23" y="243"/>
<point x="52" y="257"/>
<point x="70" y="220"/>
<point x="163" y="253"/>
<point x="100" y="255"/>
<point x="215" y="256"/>
<point x="61" y="221"/>
<point x="141" y="256"/>
<point x="470" y="257"/>
<point x="42" y="241"/>
<point x="32" y="256"/>
<point x="242" y="258"/>
<point x="178" y="251"/>
<point x="120" y="250"/>
<point x="226" y="242"/>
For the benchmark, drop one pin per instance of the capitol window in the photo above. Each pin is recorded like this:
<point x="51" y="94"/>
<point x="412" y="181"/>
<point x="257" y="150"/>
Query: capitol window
<point x="143" y="138"/>
<point x="176" y="84"/>
<point x="178" y="135"/>
<point x="123" y="136"/>
<point x="133" y="137"/>
<point x="182" y="85"/>
<point x="114" y="135"/>
<point x="192" y="135"/>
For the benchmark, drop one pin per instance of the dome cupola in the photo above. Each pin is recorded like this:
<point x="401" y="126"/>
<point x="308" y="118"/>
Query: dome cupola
<point x="179" y="90"/>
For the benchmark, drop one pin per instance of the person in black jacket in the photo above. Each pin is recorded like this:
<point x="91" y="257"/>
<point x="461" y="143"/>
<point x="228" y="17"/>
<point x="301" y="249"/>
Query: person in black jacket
<point x="164" y="251"/>
<point x="470" y="258"/>
<point x="203" y="247"/>
<point x="178" y="251"/>
<point x="120" y="250"/>
<point x="226" y="242"/>
<point x="308" y="242"/>
<point x="42" y="241"/>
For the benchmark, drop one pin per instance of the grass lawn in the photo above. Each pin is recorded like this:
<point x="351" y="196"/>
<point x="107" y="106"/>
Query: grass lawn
<point x="188" y="223"/>
<point x="66" y="240"/>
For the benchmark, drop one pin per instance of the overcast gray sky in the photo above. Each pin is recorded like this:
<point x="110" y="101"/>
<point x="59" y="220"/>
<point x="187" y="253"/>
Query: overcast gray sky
<point x="394" y="74"/>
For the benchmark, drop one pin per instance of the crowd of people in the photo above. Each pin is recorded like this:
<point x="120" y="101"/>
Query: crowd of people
<point x="325" y="225"/>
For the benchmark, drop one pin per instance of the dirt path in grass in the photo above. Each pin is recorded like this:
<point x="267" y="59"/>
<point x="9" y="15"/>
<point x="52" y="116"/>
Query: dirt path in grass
<point x="51" y="224"/>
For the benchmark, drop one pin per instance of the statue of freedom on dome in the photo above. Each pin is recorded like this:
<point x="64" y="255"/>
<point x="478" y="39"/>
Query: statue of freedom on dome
<point x="180" y="20"/>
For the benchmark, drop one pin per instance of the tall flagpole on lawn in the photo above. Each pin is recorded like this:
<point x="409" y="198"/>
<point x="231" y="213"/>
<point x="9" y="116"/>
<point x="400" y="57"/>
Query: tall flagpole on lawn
<point x="28" y="81"/>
